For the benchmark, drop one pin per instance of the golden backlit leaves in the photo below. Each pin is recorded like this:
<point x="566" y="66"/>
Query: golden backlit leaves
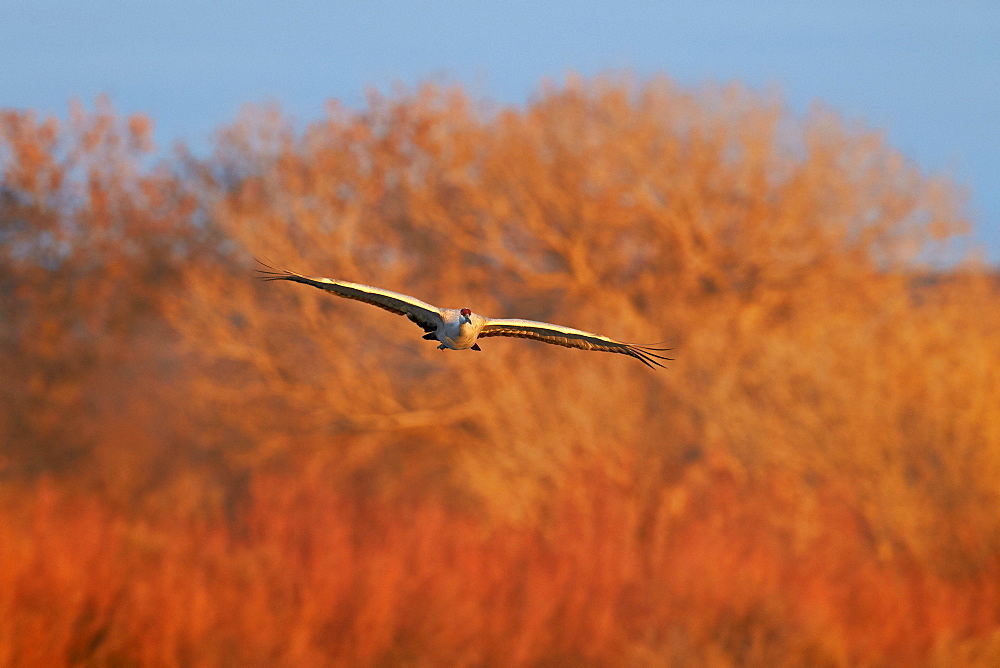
<point x="223" y="471"/>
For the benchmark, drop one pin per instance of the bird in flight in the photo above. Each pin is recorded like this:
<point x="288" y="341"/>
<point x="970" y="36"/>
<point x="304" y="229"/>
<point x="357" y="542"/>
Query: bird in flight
<point x="460" y="329"/>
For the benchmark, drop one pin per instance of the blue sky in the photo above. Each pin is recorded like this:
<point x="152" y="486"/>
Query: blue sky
<point x="926" y="73"/>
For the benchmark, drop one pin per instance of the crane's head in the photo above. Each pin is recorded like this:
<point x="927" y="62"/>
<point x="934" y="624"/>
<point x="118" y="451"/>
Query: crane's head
<point x="466" y="314"/>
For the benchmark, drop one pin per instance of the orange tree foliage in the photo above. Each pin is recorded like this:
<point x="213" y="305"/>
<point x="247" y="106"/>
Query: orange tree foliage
<point x="240" y="472"/>
<point x="90" y="244"/>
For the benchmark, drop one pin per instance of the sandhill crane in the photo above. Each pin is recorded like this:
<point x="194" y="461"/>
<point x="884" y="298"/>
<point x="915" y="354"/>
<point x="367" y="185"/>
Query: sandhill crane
<point x="460" y="329"/>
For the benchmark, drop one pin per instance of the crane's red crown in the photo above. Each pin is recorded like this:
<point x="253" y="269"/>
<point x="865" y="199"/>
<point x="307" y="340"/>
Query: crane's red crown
<point x="466" y="311"/>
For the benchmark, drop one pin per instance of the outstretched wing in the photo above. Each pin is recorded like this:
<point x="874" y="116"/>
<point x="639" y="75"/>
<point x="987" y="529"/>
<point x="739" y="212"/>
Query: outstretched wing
<point x="572" y="338"/>
<point x="426" y="316"/>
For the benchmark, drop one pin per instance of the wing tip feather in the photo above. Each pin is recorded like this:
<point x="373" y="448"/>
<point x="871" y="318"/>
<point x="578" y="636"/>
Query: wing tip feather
<point x="271" y="272"/>
<point x="649" y="355"/>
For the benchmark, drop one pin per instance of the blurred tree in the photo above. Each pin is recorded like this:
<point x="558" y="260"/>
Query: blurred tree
<point x="92" y="238"/>
<point x="777" y="254"/>
<point x="765" y="247"/>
